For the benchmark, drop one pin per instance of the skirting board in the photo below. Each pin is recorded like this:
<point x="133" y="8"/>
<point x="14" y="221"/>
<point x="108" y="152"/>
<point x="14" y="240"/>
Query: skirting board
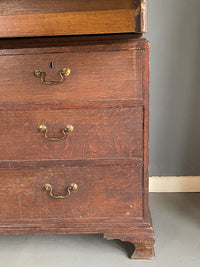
<point x="174" y="184"/>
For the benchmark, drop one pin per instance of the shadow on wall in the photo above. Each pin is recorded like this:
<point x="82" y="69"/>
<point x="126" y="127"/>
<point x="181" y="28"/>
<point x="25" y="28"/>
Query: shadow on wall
<point x="174" y="33"/>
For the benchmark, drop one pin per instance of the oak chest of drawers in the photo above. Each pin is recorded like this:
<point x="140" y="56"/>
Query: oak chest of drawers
<point x="74" y="137"/>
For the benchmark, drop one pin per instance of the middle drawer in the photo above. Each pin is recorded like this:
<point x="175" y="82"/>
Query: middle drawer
<point x="97" y="133"/>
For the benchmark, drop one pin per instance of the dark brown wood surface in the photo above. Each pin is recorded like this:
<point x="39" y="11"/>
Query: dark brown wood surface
<point x="83" y="43"/>
<point x="94" y="75"/>
<point x="97" y="195"/>
<point x="98" y="133"/>
<point x="106" y="154"/>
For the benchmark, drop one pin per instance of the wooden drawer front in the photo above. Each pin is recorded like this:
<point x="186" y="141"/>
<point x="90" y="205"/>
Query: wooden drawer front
<point x="103" y="192"/>
<point x="98" y="133"/>
<point x="94" y="76"/>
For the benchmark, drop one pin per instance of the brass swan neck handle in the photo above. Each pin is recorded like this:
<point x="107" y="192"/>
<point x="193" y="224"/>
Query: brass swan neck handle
<point x="42" y="76"/>
<point x="68" y="128"/>
<point x="70" y="188"/>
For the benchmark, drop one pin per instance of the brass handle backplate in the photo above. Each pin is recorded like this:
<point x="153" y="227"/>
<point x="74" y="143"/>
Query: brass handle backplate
<point x="43" y="129"/>
<point x="70" y="188"/>
<point x="41" y="75"/>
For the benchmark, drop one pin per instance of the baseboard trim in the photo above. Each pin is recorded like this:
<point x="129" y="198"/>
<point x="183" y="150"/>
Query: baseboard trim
<point x="174" y="184"/>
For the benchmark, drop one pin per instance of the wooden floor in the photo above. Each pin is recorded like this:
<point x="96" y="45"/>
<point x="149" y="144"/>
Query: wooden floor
<point x="176" y="219"/>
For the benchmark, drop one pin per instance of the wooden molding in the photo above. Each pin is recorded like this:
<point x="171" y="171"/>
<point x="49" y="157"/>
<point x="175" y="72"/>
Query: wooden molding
<point x="174" y="184"/>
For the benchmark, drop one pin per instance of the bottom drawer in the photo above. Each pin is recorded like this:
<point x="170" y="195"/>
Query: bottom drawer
<point x="102" y="192"/>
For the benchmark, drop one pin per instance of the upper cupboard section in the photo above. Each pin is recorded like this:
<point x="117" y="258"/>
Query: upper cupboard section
<point x="49" y="18"/>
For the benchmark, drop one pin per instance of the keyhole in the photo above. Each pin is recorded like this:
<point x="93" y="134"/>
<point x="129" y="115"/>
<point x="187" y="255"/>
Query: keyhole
<point x="51" y="65"/>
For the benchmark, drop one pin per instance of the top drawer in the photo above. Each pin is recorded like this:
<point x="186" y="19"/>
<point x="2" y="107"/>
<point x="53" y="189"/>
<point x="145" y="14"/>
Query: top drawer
<point x="94" y="75"/>
<point x="47" y="18"/>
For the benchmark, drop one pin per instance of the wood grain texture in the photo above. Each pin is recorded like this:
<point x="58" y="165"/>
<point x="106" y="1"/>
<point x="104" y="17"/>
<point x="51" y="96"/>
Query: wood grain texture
<point x="106" y="154"/>
<point x="135" y="230"/>
<point x="146" y="71"/>
<point x="83" y="43"/>
<point x="68" y="23"/>
<point x="97" y="195"/>
<point x="94" y="76"/>
<point x="47" y="18"/>
<point x="24" y="106"/>
<point x="143" y="252"/>
<point x="71" y="163"/>
<point x="98" y="133"/>
<point x="143" y="16"/>
<point x="12" y="7"/>
<point x="142" y="242"/>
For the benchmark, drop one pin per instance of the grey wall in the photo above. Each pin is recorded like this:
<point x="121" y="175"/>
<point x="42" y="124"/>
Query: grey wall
<point x="174" y="33"/>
